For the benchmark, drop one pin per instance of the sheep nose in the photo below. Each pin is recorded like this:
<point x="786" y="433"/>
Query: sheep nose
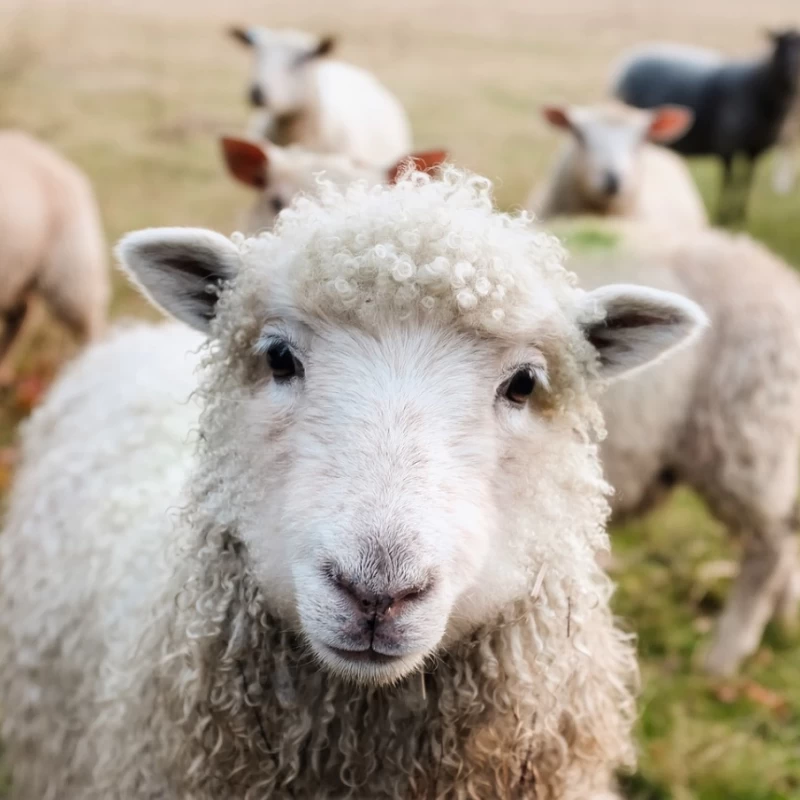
<point x="610" y="184"/>
<point x="378" y="605"/>
<point x="257" y="96"/>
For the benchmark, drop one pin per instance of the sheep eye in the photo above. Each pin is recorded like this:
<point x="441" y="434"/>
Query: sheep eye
<point x="282" y="363"/>
<point x="277" y="205"/>
<point x="521" y="386"/>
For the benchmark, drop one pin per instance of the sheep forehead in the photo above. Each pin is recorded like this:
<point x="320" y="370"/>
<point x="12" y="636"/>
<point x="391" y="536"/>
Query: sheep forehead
<point x="423" y="248"/>
<point x="284" y="39"/>
<point x="296" y="168"/>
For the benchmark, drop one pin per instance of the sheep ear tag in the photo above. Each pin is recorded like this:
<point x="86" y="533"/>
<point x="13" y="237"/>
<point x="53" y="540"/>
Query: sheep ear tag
<point x="425" y="161"/>
<point x="632" y="326"/>
<point x="180" y="270"/>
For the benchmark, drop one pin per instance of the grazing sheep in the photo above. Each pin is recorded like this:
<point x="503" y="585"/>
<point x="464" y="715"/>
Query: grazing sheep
<point x="723" y="418"/>
<point x="324" y="105"/>
<point x="608" y="167"/>
<point x="739" y="107"/>
<point x="784" y="174"/>
<point x="279" y="174"/>
<point x="51" y="243"/>
<point x="372" y="574"/>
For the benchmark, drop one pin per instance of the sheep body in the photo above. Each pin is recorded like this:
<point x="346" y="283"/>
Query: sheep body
<point x="51" y="240"/>
<point x="322" y="104"/>
<point x="649" y="183"/>
<point x="722" y="417"/>
<point x="739" y="107"/>
<point x="152" y="654"/>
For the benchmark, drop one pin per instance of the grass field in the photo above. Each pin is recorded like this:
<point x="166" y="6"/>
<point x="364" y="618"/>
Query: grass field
<point x="137" y="92"/>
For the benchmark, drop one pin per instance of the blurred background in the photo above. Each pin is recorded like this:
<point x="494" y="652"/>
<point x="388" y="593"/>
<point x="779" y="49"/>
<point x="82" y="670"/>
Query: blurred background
<point x="137" y="93"/>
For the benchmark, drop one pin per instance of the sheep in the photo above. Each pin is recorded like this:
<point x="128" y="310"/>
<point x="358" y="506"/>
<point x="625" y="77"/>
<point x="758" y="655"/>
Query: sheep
<point x="51" y="244"/>
<point x="278" y="174"/>
<point x="740" y="107"/>
<point x="324" y="105"/>
<point x="371" y="572"/>
<point x="608" y="167"/>
<point x="722" y="418"/>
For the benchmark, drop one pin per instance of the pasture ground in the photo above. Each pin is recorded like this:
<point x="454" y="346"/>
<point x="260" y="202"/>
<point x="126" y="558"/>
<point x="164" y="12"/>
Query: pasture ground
<point x="135" y="92"/>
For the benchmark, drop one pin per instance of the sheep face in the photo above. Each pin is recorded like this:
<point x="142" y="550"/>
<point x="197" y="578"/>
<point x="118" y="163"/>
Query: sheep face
<point x="607" y="140"/>
<point x="283" y="60"/>
<point x="396" y="470"/>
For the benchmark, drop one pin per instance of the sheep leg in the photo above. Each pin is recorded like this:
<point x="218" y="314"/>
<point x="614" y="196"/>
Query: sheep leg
<point x="767" y="564"/>
<point x="744" y="185"/>
<point x="726" y="191"/>
<point x="784" y="173"/>
<point x="14" y="319"/>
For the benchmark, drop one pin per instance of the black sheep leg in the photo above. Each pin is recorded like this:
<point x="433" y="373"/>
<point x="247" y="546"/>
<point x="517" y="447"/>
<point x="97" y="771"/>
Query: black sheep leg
<point x="727" y="188"/>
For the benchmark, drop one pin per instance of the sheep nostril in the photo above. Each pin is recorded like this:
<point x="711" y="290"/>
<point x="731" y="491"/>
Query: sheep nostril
<point x="372" y="603"/>
<point x="256" y="96"/>
<point x="611" y="184"/>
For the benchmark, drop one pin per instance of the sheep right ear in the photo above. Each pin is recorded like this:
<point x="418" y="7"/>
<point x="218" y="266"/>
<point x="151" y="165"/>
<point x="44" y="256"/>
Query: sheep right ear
<point x="426" y="161"/>
<point x="242" y="35"/>
<point x="246" y="161"/>
<point x="180" y="270"/>
<point x="558" y="117"/>
<point x="631" y="326"/>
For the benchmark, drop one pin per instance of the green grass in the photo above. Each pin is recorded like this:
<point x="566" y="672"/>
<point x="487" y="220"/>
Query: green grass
<point x="136" y="94"/>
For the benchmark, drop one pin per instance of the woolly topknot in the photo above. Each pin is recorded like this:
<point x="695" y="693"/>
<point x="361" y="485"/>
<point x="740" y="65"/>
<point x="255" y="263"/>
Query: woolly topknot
<point x="422" y="247"/>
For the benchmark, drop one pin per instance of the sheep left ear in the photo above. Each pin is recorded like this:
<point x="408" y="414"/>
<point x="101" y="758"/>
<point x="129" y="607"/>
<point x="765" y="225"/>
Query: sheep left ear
<point x="180" y="270"/>
<point x="324" y="47"/>
<point x="632" y="326"/>
<point x="426" y="161"/>
<point x="669" y="123"/>
<point x="248" y="162"/>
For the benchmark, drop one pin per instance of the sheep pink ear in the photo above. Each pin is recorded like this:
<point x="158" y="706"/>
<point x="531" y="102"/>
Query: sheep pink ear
<point x="669" y="123"/>
<point x="426" y="161"/>
<point x="246" y="161"/>
<point x="557" y="116"/>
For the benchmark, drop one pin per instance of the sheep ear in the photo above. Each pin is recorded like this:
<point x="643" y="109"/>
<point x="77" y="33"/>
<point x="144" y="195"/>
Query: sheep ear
<point x="669" y="123"/>
<point x="180" y="270"/>
<point x="324" y="47"/>
<point x="558" y="117"/>
<point x="246" y="161"/>
<point x="426" y="161"/>
<point x="631" y="326"/>
<point x="242" y="35"/>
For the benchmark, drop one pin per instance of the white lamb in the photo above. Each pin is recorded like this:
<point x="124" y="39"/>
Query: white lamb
<point x="608" y="166"/>
<point x="51" y="243"/>
<point x="327" y="106"/>
<point x="279" y="174"/>
<point x="372" y="575"/>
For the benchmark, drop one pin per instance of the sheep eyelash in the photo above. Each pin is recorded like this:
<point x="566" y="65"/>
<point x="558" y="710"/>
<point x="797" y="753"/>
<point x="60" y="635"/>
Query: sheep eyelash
<point x="266" y="340"/>
<point x="539" y="372"/>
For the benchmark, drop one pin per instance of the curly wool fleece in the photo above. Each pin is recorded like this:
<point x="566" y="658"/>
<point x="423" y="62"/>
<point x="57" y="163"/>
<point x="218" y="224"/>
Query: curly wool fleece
<point x="203" y="690"/>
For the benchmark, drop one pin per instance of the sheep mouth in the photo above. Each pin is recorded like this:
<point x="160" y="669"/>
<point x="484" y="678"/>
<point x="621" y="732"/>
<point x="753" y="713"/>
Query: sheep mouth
<point x="367" y="656"/>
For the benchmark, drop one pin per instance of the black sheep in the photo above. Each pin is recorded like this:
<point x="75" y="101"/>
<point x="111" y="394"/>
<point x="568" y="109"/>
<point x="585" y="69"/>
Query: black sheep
<point x="739" y="106"/>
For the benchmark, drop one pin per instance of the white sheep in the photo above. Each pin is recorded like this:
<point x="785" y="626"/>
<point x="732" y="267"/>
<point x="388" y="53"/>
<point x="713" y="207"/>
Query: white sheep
<point x="279" y="174"/>
<point x="372" y="574"/>
<point x="608" y="166"/>
<point x="327" y="106"/>
<point x="51" y="243"/>
<point x="723" y="417"/>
